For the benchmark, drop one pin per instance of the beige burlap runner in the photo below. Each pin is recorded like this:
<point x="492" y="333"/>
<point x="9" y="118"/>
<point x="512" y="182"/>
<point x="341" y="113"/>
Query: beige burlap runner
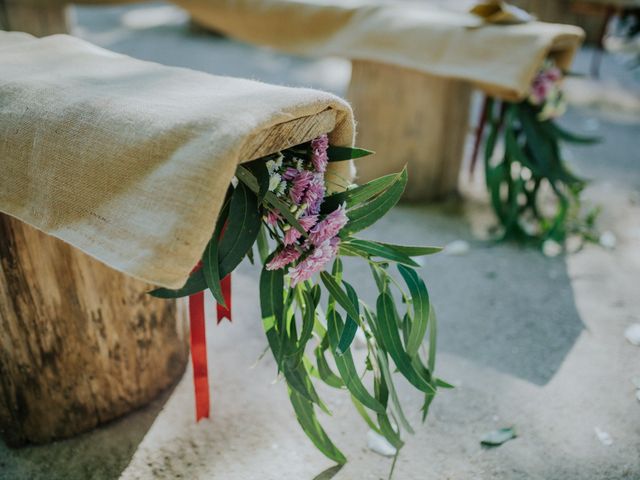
<point x="500" y="59"/>
<point x="129" y="160"/>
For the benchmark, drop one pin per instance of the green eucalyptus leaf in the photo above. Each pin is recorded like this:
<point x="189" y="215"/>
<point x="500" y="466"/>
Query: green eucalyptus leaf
<point x="298" y="379"/>
<point x="368" y="248"/>
<point x="338" y="294"/>
<point x="340" y="154"/>
<point x="351" y="326"/>
<point x="421" y="308"/>
<point x="498" y="437"/>
<point x="395" y="401"/>
<point x="346" y="367"/>
<point x="309" y="423"/>
<point x="365" y="416"/>
<point x="210" y="267"/>
<point x="241" y="231"/>
<point x="324" y="370"/>
<point x="389" y="337"/>
<point x="366" y="215"/>
<point x="195" y="283"/>
<point x="570" y="137"/>
<point x="386" y="428"/>
<point x="412" y="250"/>
<point x="359" y="195"/>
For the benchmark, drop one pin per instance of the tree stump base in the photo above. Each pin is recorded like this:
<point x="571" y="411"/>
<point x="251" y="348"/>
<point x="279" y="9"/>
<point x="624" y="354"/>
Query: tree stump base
<point x="37" y="17"/>
<point x="410" y="118"/>
<point x="81" y="344"/>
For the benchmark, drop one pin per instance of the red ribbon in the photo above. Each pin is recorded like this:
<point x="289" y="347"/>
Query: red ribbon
<point x="199" y="355"/>
<point x="222" y="311"/>
<point x="199" y="342"/>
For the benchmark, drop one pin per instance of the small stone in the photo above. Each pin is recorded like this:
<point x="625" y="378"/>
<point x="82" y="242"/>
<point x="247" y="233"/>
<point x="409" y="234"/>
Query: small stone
<point x="638" y="395"/>
<point x="632" y="333"/>
<point x="608" y="240"/>
<point x="551" y="248"/>
<point x="636" y="382"/>
<point x="604" y="437"/>
<point x="380" y="445"/>
<point x="457" y="247"/>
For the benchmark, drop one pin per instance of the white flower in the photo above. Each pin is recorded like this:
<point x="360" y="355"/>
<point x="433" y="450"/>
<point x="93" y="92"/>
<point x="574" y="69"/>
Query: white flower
<point x="274" y="181"/>
<point x="281" y="188"/>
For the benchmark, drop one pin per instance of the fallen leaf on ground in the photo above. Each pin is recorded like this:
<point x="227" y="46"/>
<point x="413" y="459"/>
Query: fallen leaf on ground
<point x="498" y="437"/>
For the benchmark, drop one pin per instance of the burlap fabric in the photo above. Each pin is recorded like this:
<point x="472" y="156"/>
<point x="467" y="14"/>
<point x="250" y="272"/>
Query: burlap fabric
<point x="129" y="160"/>
<point x="500" y="59"/>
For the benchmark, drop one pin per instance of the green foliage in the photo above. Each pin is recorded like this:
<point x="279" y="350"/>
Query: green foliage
<point x="531" y="165"/>
<point x="300" y="334"/>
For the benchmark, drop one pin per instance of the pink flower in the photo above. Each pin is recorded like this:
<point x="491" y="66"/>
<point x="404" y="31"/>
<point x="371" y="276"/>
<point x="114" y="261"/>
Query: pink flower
<point x="283" y="258"/>
<point x="273" y="217"/>
<point x="319" y="156"/>
<point x="314" y="195"/>
<point x="316" y="261"/>
<point x="329" y="227"/>
<point x="292" y="235"/>
<point x="290" y="173"/>
<point x="299" y="186"/>
<point x="544" y="83"/>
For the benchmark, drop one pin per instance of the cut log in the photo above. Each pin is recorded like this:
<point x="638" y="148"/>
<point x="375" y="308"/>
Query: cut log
<point x="37" y="17"/>
<point x="410" y="118"/>
<point x="82" y="344"/>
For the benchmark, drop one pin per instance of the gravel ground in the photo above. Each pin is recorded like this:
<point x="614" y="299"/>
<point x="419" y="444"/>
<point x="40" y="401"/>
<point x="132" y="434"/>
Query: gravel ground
<point x="529" y="341"/>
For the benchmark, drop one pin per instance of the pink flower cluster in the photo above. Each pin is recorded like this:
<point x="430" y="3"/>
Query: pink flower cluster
<point x="545" y="84"/>
<point x="303" y="190"/>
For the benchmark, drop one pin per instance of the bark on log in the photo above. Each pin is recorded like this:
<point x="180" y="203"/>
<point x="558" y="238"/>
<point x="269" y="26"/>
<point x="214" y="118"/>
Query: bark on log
<point x="81" y="344"/>
<point x="37" y="17"/>
<point x="410" y="118"/>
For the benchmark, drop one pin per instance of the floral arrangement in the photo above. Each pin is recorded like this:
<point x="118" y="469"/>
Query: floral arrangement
<point x="282" y="204"/>
<point x="532" y="164"/>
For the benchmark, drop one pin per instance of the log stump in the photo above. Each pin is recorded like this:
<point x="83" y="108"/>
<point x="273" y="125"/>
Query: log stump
<point x="81" y="344"/>
<point x="410" y="118"/>
<point x="37" y="17"/>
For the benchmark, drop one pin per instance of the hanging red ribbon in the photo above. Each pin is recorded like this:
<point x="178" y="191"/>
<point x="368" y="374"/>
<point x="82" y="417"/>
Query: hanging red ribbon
<point x="199" y="355"/>
<point x="199" y="342"/>
<point x="222" y="311"/>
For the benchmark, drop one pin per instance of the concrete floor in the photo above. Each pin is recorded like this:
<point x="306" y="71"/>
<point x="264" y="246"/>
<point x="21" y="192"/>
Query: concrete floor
<point x="529" y="341"/>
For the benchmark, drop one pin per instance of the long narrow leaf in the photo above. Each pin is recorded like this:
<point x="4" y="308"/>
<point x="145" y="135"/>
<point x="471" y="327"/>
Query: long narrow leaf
<point x="309" y="423"/>
<point x="339" y="154"/>
<point x="347" y="368"/>
<point x="195" y="283"/>
<point x="365" y="216"/>
<point x="375" y="249"/>
<point x="242" y="229"/>
<point x="388" y="330"/>
<point x="338" y="294"/>
<point x="420" y="304"/>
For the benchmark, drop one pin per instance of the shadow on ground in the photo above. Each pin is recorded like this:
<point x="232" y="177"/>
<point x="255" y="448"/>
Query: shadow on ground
<point x="75" y="459"/>
<point x="500" y="305"/>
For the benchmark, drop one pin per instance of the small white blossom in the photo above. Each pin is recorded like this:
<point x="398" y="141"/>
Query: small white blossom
<point x="274" y="181"/>
<point x="281" y="188"/>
